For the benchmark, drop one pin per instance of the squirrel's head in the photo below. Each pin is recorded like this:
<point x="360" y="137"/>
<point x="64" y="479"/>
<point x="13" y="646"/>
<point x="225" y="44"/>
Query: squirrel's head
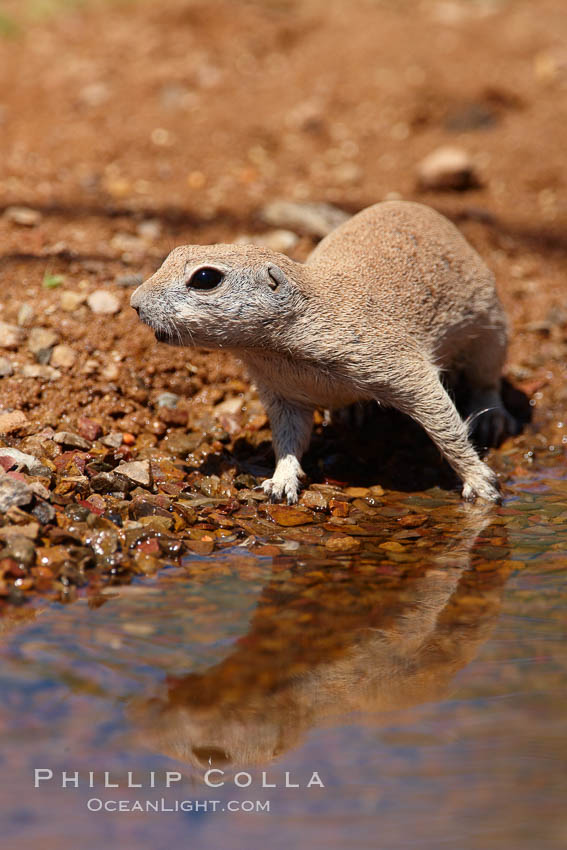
<point x="220" y="296"/>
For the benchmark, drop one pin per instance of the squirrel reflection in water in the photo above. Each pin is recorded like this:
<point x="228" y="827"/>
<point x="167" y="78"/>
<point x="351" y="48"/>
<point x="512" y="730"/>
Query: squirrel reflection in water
<point x="336" y="638"/>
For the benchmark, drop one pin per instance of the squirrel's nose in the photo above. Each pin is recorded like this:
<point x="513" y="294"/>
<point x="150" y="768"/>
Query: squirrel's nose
<point x="135" y="300"/>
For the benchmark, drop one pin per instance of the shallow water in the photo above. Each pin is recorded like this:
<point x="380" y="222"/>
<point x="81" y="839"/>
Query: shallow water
<point x="423" y="684"/>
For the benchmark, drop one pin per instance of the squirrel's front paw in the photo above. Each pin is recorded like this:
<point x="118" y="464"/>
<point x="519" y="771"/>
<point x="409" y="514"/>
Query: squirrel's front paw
<point x="279" y="488"/>
<point x="482" y="485"/>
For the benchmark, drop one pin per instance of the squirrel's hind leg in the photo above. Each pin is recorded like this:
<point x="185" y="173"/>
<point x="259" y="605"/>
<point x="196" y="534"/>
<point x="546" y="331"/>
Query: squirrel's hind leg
<point x="419" y="393"/>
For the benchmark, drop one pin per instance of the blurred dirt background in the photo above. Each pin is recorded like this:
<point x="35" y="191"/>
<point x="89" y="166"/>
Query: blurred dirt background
<point x="127" y="128"/>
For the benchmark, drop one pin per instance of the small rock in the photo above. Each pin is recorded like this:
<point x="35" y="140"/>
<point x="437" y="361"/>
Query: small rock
<point x="137" y="471"/>
<point x="71" y="300"/>
<point x="113" y="440"/>
<point x="63" y="357"/>
<point x="21" y="549"/>
<point x="104" y="482"/>
<point x="24" y="216"/>
<point x="73" y="441"/>
<point x="312" y="219"/>
<point x="39" y="489"/>
<point x="279" y="240"/>
<point x="94" y="94"/>
<point x="342" y="543"/>
<point x="314" y="500"/>
<point x="42" y="339"/>
<point x="128" y="245"/>
<point x="201" y="547"/>
<point x="26" y="315"/>
<point x="357" y="492"/>
<point x="470" y="116"/>
<point x="43" y="512"/>
<point x="229" y="407"/>
<point x="32" y="464"/>
<point x="391" y="546"/>
<point x="90" y="367"/>
<point x="128" y="281"/>
<point x="111" y="372"/>
<point x="38" y="370"/>
<point x="179" y="444"/>
<point x="14" y="421"/>
<point x="447" y="168"/>
<point x="348" y="172"/>
<point x="13" y="493"/>
<point x="167" y="400"/>
<point x="11" y="336"/>
<point x="150" y="229"/>
<point x="289" y="515"/>
<point x="6" y="367"/>
<point x="339" y="508"/>
<point x="29" y="530"/>
<point x="89" y="428"/>
<point x="104" y="302"/>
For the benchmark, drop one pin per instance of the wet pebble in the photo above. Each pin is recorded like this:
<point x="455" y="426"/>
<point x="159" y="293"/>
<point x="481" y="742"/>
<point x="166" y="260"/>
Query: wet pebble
<point x="89" y="429"/>
<point x="113" y="440"/>
<point x="136" y="471"/>
<point x="104" y="482"/>
<point x="339" y="508"/>
<point x="314" y="500"/>
<point x="13" y="493"/>
<point x="21" y="549"/>
<point x="342" y="543"/>
<point x="28" y="529"/>
<point x="289" y="515"/>
<point x="43" y="512"/>
<point x="70" y="440"/>
<point x="31" y="463"/>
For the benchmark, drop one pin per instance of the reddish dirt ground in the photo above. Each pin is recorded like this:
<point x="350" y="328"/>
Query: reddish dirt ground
<point x="132" y="127"/>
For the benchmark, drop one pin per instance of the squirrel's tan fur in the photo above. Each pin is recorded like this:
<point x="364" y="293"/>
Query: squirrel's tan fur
<point x="385" y="304"/>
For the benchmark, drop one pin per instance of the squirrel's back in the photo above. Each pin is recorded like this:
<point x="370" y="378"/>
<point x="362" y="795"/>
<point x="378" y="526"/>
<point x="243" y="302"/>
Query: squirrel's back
<point x="410" y="263"/>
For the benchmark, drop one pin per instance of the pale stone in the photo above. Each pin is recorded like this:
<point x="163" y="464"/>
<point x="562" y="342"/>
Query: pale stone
<point x="24" y="216"/>
<point x="71" y="300"/>
<point x="138" y="471"/>
<point x="10" y="422"/>
<point x="63" y="357"/>
<point x="447" y="168"/>
<point x="104" y="302"/>
<point x="11" y="336"/>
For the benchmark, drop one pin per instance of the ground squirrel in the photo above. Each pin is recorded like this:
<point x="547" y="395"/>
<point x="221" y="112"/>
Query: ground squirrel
<point x="384" y="305"/>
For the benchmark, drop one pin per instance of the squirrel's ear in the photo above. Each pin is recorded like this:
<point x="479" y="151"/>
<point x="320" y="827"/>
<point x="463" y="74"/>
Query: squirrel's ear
<point x="275" y="276"/>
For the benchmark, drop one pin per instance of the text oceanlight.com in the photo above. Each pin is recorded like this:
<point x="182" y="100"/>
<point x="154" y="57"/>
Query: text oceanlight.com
<point x="95" y="804"/>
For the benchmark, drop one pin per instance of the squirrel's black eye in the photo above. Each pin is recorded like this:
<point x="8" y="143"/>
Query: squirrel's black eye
<point x="206" y="278"/>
